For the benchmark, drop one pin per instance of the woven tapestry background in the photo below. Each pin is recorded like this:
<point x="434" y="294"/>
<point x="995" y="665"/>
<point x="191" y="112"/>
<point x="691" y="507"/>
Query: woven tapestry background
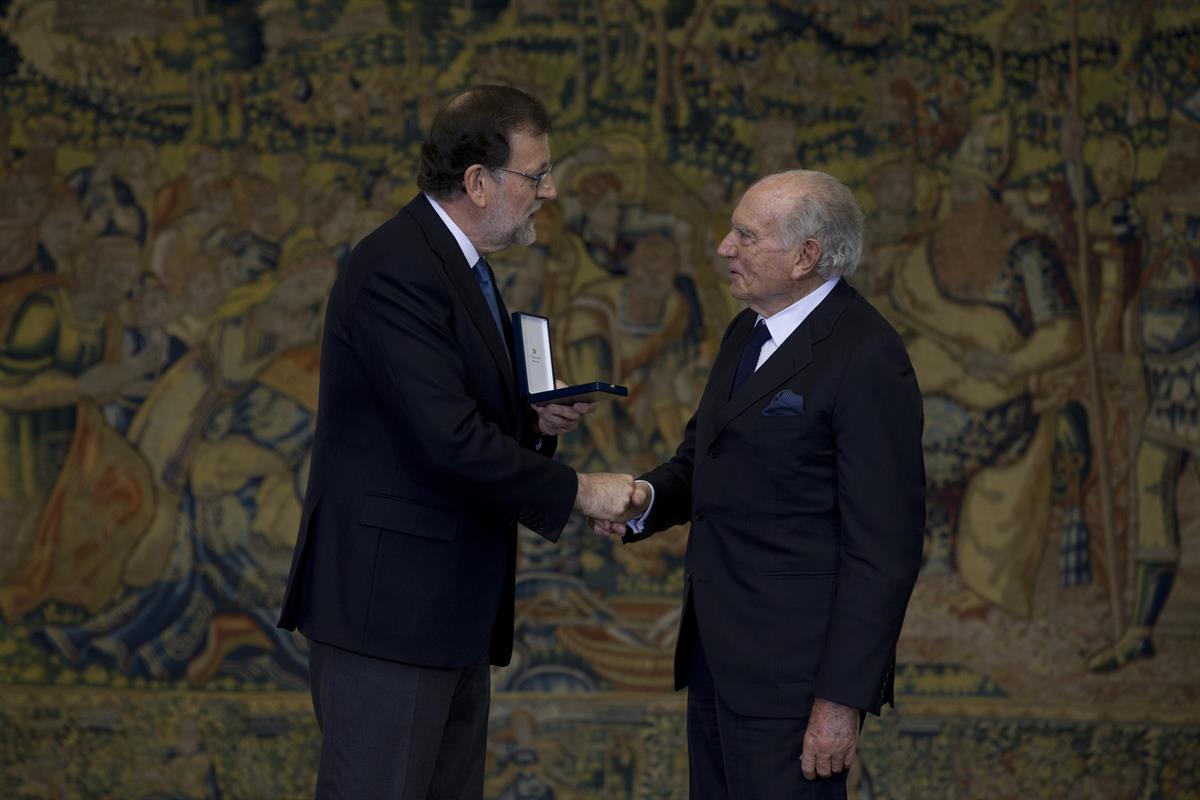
<point x="180" y="180"/>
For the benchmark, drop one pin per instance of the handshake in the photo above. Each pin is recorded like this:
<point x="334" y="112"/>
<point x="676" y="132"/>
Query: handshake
<point x="609" y="501"/>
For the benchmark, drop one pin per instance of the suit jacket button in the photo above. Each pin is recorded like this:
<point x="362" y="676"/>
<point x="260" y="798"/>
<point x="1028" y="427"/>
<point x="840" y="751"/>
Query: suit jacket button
<point x="699" y="516"/>
<point x="712" y="451"/>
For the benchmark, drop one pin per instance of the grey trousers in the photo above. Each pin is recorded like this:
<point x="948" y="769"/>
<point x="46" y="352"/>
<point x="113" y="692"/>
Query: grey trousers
<point x="398" y="731"/>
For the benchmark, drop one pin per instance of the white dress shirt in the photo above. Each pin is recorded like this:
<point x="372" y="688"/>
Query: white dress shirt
<point x="468" y="250"/>
<point x="784" y="323"/>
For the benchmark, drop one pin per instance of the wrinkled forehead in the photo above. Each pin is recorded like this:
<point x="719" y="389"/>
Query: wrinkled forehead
<point x="760" y="205"/>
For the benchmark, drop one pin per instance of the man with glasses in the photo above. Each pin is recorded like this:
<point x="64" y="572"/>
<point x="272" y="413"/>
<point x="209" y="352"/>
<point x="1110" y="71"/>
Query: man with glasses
<point x="425" y="460"/>
<point x="536" y="178"/>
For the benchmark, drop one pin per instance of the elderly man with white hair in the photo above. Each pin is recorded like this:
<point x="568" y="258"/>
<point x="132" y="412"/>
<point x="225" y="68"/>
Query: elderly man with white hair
<point x="802" y="476"/>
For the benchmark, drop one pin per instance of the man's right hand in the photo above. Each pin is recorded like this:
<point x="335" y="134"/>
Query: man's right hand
<point x="606" y="496"/>
<point x="639" y="499"/>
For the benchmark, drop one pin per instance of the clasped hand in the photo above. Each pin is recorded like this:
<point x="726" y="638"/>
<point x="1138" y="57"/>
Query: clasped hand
<point x="609" y="500"/>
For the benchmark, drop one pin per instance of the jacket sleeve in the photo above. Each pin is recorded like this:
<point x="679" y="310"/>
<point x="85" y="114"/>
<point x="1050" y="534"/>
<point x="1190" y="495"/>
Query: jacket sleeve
<point x="672" y="484"/>
<point x="672" y="481"/>
<point x="419" y="369"/>
<point x="877" y="423"/>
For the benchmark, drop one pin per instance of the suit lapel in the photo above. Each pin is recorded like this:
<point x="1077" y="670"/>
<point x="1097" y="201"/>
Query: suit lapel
<point x="795" y="355"/>
<point x="716" y="391"/>
<point x="785" y="362"/>
<point x="442" y="242"/>
<point x="506" y="318"/>
<point x="729" y="355"/>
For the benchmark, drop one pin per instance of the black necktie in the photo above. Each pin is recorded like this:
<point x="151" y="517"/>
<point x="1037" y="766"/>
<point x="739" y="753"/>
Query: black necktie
<point x="483" y="274"/>
<point x="749" y="359"/>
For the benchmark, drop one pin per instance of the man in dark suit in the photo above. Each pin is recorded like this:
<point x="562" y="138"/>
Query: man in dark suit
<point x="802" y="475"/>
<point x="425" y="460"/>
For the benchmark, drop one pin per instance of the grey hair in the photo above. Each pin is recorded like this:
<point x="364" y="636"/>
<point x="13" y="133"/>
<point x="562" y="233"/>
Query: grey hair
<point x="822" y="208"/>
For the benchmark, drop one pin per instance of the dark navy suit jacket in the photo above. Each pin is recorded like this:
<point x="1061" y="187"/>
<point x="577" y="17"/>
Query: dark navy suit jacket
<point x="422" y="464"/>
<point x="807" y="521"/>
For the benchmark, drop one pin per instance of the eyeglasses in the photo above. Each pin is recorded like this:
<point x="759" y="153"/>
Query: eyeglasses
<point x="537" y="179"/>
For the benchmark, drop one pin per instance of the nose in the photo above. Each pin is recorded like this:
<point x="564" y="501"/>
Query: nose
<point x="548" y="189"/>
<point x="727" y="248"/>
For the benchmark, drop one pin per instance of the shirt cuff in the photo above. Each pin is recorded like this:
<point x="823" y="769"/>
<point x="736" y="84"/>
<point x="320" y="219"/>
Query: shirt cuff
<point x="639" y="524"/>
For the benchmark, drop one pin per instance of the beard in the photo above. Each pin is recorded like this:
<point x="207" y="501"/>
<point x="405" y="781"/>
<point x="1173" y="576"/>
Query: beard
<point x="511" y="226"/>
<point x="525" y="234"/>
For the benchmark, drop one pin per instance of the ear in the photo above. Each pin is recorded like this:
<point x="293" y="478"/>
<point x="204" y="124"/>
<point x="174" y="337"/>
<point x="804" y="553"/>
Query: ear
<point x="474" y="181"/>
<point x="805" y="258"/>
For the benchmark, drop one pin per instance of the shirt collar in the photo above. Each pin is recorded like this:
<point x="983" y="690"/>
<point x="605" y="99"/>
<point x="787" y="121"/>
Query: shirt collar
<point x="784" y="323"/>
<point x="468" y="250"/>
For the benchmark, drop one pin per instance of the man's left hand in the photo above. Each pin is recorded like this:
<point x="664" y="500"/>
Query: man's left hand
<point x="830" y="740"/>
<point x="555" y="419"/>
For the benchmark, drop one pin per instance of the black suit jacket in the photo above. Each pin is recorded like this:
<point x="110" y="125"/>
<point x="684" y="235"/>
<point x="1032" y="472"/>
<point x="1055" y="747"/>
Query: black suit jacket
<point x="806" y="528"/>
<point x="422" y="464"/>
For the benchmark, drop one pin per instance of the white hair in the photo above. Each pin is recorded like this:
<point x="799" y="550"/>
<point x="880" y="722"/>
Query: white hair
<point x="822" y="208"/>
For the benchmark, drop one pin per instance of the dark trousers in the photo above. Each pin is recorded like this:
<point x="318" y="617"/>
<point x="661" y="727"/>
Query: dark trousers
<point x="397" y="731"/>
<point x="732" y="757"/>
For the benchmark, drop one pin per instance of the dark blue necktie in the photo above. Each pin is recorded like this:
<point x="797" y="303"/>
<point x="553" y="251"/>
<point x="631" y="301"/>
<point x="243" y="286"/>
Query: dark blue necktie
<point x="750" y="353"/>
<point x="483" y="274"/>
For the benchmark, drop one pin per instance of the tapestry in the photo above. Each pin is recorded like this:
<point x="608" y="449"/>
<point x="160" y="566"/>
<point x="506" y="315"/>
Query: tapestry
<point x="180" y="181"/>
